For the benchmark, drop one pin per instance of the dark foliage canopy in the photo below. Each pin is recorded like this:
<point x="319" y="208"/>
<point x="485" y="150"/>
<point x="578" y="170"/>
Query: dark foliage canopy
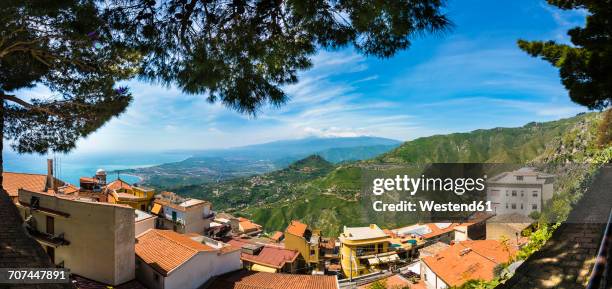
<point x="586" y="66"/>
<point x="60" y="45"/>
<point x="237" y="52"/>
<point x="242" y="52"/>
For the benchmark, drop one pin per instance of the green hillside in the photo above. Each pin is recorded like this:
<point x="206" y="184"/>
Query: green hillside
<point x="327" y="196"/>
<point x="498" y="145"/>
<point x="261" y="189"/>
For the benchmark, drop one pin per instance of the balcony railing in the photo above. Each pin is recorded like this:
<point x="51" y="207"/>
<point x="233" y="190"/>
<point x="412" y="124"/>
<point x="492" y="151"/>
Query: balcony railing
<point x="600" y="277"/>
<point x="53" y="240"/>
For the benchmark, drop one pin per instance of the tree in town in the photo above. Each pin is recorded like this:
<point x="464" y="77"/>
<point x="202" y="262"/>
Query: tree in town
<point x="586" y="66"/>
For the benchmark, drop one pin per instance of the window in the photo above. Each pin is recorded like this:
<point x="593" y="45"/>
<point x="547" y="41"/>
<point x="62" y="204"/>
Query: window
<point x="535" y="195"/>
<point x="50" y="225"/>
<point x="155" y="276"/>
<point x="142" y="208"/>
<point x="174" y="216"/>
<point x="514" y="206"/>
<point x="519" y="178"/>
<point x="34" y="202"/>
<point x="534" y="207"/>
<point x="506" y="205"/>
<point x="521" y="206"/>
<point x="514" y="193"/>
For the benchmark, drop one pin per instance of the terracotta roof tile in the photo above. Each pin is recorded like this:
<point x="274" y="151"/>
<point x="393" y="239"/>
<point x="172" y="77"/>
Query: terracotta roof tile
<point x="32" y="182"/>
<point x="391" y="282"/>
<point x="271" y="256"/>
<point x="469" y="260"/>
<point x="297" y="228"/>
<point x="165" y="250"/>
<point x="118" y="184"/>
<point x="248" y="226"/>
<point x="277" y="236"/>
<point x="261" y="280"/>
<point x="88" y="180"/>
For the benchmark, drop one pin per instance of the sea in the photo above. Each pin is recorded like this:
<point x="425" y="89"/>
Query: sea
<point x="70" y="167"/>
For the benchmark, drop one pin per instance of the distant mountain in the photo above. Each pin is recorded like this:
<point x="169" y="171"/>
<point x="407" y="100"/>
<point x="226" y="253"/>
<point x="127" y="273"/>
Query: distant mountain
<point x="223" y="164"/>
<point x="300" y="148"/>
<point x="330" y="198"/>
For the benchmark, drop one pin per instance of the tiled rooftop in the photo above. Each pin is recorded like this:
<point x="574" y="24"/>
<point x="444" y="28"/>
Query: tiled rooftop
<point x="118" y="184"/>
<point x="31" y="182"/>
<point x="469" y="260"/>
<point x="260" y="280"/>
<point x="277" y="236"/>
<point x="297" y="228"/>
<point x="271" y="256"/>
<point x="248" y="225"/>
<point x="391" y="282"/>
<point x="166" y="250"/>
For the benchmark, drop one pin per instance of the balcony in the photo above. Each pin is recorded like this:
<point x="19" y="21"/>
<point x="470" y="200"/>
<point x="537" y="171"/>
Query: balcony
<point x="48" y="239"/>
<point x="376" y="255"/>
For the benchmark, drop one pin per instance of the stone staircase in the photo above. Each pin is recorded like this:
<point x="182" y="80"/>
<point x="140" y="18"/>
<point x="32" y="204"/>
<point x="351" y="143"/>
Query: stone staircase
<point x="567" y="259"/>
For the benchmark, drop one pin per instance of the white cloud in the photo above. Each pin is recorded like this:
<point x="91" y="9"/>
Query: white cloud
<point x="565" y="20"/>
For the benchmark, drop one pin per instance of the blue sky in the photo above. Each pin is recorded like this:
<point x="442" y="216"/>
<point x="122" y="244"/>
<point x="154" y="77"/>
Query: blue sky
<point x="469" y="78"/>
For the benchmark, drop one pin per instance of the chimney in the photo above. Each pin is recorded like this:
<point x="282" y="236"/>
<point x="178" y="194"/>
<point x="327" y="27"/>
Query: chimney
<point x="50" y="179"/>
<point x="461" y="233"/>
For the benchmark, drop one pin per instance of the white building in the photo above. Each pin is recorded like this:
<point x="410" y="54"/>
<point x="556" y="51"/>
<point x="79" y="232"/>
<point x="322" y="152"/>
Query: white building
<point x="519" y="192"/>
<point x="464" y="261"/>
<point x="143" y="221"/>
<point x="167" y="260"/>
<point x="182" y="215"/>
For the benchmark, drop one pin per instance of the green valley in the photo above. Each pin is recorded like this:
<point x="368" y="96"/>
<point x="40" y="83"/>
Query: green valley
<point x="327" y="195"/>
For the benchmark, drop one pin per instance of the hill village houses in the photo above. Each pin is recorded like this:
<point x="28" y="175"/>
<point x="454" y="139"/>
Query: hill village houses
<point x="125" y="235"/>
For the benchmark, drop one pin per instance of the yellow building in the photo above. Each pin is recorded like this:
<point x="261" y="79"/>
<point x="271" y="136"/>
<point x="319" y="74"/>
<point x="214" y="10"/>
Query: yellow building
<point x="306" y="241"/>
<point x="120" y="192"/>
<point x="365" y="250"/>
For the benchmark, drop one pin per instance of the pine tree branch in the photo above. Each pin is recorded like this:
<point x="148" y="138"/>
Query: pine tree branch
<point x="26" y="104"/>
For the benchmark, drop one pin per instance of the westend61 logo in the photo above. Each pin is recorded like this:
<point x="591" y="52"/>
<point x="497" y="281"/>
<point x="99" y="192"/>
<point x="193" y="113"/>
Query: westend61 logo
<point x="404" y="184"/>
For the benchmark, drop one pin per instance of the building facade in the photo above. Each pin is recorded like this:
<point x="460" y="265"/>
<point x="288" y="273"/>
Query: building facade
<point x="365" y="250"/>
<point x="92" y="239"/>
<point x="183" y="215"/>
<point x="519" y="192"/>
<point x="299" y="237"/>
<point x="120" y="192"/>
<point x="169" y="260"/>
